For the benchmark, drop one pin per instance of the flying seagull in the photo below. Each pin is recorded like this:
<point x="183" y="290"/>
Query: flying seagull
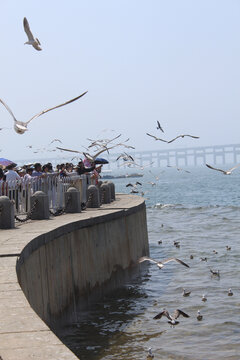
<point x="156" y="138"/>
<point x="161" y="264"/>
<point x="31" y="40"/>
<point x="20" y="126"/>
<point x="170" y="141"/>
<point x="159" y="126"/>
<point x="225" y="172"/>
<point x="125" y="157"/>
<point x="182" y="136"/>
<point x="179" y="169"/>
<point x="172" y="318"/>
<point x="56" y="140"/>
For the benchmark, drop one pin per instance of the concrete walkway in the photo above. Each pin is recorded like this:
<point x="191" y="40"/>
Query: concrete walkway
<point x="23" y="335"/>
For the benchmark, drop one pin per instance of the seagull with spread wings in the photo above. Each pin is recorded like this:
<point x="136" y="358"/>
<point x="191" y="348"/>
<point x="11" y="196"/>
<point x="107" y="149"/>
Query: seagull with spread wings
<point x="20" y="126"/>
<point x="225" y="172"/>
<point x="156" y="138"/>
<point x="172" y="318"/>
<point x="162" y="263"/>
<point x="177" y="137"/>
<point x="31" y="39"/>
<point x="159" y="126"/>
<point x="182" y="136"/>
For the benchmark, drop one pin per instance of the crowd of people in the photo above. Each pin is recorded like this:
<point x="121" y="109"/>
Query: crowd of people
<point x="29" y="171"/>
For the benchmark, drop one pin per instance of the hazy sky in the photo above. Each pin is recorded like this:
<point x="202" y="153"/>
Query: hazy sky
<point x="176" y="61"/>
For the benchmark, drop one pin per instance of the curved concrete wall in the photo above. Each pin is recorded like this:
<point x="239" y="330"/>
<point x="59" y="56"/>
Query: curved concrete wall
<point x="60" y="269"/>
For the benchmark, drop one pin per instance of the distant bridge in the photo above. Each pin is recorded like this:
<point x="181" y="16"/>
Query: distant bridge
<point x="217" y="154"/>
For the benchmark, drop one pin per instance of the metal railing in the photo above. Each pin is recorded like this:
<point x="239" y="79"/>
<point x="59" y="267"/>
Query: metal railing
<point x="52" y="184"/>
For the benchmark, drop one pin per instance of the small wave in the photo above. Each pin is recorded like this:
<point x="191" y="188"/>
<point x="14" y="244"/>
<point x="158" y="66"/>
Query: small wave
<point x="193" y="208"/>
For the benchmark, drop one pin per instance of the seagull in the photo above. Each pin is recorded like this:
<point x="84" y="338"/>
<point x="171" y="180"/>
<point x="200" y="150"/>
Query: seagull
<point x="182" y="136"/>
<point x="199" y="316"/>
<point x="203" y="259"/>
<point x="228" y="247"/>
<point x="215" y="273"/>
<point x="159" y="126"/>
<point x="159" y="242"/>
<point x="172" y="318"/>
<point x="186" y="293"/>
<point x="92" y="158"/>
<point x="215" y="252"/>
<point x="176" y="243"/>
<point x="161" y="264"/>
<point x="230" y="293"/>
<point x="125" y="157"/>
<point x="151" y="183"/>
<point x="204" y="298"/>
<point x="56" y="140"/>
<point x="20" y="127"/>
<point x="156" y="138"/>
<point x="191" y="257"/>
<point x="179" y="169"/>
<point x="31" y="40"/>
<point x="225" y="172"/>
<point x="134" y="185"/>
<point x="150" y="354"/>
<point x="134" y="191"/>
<point x="170" y="141"/>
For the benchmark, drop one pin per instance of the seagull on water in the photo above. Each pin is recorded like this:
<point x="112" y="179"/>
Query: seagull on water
<point x="230" y="293"/>
<point x="162" y="263"/>
<point x="150" y="354"/>
<point x="186" y="293"/>
<point x="31" y="39"/>
<point x="228" y="247"/>
<point x="204" y="299"/>
<point x="225" y="172"/>
<point x="172" y="318"/>
<point x="215" y="272"/>
<point x="199" y="316"/>
<point x="20" y="126"/>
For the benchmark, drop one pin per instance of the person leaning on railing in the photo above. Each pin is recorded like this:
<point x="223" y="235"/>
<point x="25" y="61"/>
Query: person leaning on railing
<point x="81" y="169"/>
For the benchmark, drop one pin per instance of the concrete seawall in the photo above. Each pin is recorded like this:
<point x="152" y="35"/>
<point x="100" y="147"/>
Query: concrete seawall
<point x="61" y="264"/>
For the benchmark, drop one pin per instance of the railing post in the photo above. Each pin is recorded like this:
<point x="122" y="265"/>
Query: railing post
<point x="6" y="213"/>
<point x="105" y="193"/>
<point x="93" y="200"/>
<point x="112" y="190"/>
<point x="39" y="205"/>
<point x="72" y="201"/>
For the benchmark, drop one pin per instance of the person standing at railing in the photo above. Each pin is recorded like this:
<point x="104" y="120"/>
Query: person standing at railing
<point x="12" y="178"/>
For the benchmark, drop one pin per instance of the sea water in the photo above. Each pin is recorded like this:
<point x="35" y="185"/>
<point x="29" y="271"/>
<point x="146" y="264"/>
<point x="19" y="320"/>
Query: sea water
<point x="201" y="210"/>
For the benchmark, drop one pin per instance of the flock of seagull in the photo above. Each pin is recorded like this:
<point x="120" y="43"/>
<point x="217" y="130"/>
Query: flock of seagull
<point x="172" y="319"/>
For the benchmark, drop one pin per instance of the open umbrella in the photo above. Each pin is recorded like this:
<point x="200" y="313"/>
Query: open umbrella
<point x="101" y="161"/>
<point x="5" y="162"/>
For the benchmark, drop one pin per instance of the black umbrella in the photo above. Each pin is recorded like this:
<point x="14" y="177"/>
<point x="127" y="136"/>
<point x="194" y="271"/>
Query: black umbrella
<point x="101" y="161"/>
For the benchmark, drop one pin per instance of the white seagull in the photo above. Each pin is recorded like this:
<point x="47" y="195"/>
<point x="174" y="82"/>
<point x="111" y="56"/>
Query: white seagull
<point x="20" y="126"/>
<point x="31" y="39"/>
<point x="161" y="264"/>
<point x="225" y="172"/>
<point x="172" y="318"/>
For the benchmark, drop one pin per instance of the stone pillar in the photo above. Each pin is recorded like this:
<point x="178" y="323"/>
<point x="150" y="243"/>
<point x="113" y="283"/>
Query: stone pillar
<point x="41" y="208"/>
<point x="105" y="193"/>
<point x="112" y="190"/>
<point x="6" y="213"/>
<point x="93" y="200"/>
<point x="72" y="201"/>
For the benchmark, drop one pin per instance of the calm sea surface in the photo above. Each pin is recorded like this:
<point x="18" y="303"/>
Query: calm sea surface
<point x="200" y="209"/>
